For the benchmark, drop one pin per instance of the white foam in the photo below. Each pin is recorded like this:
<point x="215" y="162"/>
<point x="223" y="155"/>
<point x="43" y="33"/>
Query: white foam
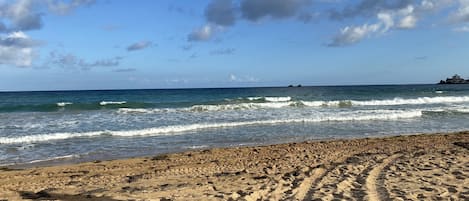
<point x="319" y="103"/>
<point x="457" y="109"/>
<point x="416" y="101"/>
<point x="63" y="104"/>
<point x="270" y="98"/>
<point x="175" y="129"/>
<point x="112" y="103"/>
<point x="391" y="102"/>
<point x="451" y="109"/>
<point x="197" y="147"/>
<point x="147" y="111"/>
<point x="135" y="110"/>
<point x="239" y="106"/>
<point x="463" y="110"/>
<point x="46" y="137"/>
<point x="278" y="99"/>
<point x="56" y="158"/>
<point x="439" y="92"/>
<point x="283" y="104"/>
<point x="255" y="98"/>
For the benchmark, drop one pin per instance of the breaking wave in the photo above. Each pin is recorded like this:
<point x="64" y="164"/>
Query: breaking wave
<point x="390" y="102"/>
<point x="63" y="104"/>
<point x="282" y="102"/>
<point x="238" y="104"/>
<point x="112" y="103"/>
<point x="416" y="101"/>
<point x="270" y="99"/>
<point x="370" y="115"/>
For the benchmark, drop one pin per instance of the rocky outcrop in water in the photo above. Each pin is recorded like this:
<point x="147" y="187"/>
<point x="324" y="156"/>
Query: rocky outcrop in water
<point x="456" y="79"/>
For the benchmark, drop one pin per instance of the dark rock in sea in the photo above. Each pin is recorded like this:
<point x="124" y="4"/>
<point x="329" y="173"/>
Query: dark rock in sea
<point x="456" y="79"/>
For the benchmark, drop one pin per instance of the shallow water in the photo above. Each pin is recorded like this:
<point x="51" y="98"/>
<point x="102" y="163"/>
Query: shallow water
<point x="92" y="125"/>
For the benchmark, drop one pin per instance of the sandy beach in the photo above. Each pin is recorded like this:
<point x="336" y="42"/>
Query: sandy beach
<point x="417" y="167"/>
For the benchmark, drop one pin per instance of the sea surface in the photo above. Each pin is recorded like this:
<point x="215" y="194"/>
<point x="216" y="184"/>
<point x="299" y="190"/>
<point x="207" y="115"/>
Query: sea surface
<point x="77" y="126"/>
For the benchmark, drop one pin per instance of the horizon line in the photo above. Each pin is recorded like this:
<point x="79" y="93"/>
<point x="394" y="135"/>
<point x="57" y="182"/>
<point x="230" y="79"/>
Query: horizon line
<point x="234" y="87"/>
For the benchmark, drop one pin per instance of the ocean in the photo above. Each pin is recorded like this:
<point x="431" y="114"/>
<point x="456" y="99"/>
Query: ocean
<point x="77" y="126"/>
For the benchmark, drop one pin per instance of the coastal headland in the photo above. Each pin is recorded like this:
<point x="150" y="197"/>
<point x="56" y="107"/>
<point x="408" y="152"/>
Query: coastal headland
<point x="413" y="167"/>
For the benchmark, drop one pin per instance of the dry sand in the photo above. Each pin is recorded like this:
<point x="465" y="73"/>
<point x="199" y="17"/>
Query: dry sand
<point x="419" y="167"/>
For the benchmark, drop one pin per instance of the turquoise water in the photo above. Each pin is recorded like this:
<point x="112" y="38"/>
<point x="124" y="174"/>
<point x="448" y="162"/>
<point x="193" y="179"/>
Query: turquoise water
<point x="92" y="125"/>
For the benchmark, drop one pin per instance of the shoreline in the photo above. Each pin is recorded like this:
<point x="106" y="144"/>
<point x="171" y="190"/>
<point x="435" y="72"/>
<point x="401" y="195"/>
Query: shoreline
<point x="74" y="160"/>
<point x="370" y="167"/>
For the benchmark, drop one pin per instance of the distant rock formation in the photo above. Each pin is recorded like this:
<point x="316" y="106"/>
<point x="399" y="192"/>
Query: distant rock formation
<point x="456" y="79"/>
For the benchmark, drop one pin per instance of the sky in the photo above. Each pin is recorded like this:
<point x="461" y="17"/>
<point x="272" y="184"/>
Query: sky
<point x="123" y="44"/>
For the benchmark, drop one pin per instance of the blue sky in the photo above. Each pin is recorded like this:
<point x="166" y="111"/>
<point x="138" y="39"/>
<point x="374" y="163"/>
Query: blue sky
<point x="110" y="44"/>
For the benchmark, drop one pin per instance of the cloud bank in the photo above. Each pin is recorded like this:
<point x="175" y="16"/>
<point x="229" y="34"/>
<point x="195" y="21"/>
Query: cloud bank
<point x="17" y="17"/>
<point x="16" y="49"/>
<point x="389" y="15"/>
<point x="380" y="16"/>
<point x="255" y="10"/>
<point x="220" y="14"/>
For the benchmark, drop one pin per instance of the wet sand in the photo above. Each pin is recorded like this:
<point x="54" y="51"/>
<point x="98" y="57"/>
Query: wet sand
<point x="417" y="167"/>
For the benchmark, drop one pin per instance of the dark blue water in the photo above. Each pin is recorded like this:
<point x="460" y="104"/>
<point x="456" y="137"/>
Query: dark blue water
<point x="89" y="125"/>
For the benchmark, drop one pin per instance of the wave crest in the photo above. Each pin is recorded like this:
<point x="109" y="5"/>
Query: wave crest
<point x="371" y="115"/>
<point x="270" y="98"/>
<point x="63" y="104"/>
<point x="103" y="103"/>
<point x="389" y="102"/>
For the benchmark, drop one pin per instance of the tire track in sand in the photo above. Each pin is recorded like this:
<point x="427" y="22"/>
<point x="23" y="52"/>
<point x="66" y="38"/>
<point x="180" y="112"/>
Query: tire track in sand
<point x="356" y="178"/>
<point x="371" y="184"/>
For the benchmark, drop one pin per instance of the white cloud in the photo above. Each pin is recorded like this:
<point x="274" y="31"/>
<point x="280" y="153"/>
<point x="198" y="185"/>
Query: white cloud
<point x="23" y="15"/>
<point x="18" y="34"/>
<point x="408" y="19"/>
<point x="233" y="78"/>
<point x="386" y="21"/>
<point x="203" y="33"/>
<point x="427" y="5"/>
<point x="17" y="49"/>
<point x="16" y="17"/>
<point x="246" y="78"/>
<point x="408" y="22"/>
<point x="462" y="14"/>
<point x="176" y="81"/>
<point x="71" y="61"/>
<point x="353" y="34"/>
<point x="462" y="29"/>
